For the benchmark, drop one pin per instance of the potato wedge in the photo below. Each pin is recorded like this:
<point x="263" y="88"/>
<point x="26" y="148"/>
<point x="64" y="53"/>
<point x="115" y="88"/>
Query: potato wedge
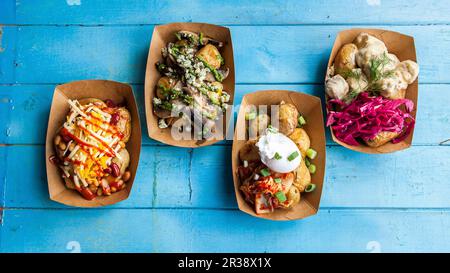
<point x="301" y="139"/>
<point x="345" y="59"/>
<point x="124" y="124"/>
<point x="293" y="196"/>
<point x="302" y="177"/>
<point x="288" y="118"/>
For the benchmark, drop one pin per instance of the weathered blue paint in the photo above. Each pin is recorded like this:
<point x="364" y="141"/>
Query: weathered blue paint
<point x="263" y="54"/>
<point x="183" y="199"/>
<point x="200" y="230"/>
<point x="175" y="177"/>
<point x="94" y="12"/>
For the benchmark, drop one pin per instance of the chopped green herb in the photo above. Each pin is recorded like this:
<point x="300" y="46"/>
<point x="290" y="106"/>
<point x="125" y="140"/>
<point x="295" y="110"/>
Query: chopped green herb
<point x="311" y="153"/>
<point x="160" y="66"/>
<point x="272" y="129"/>
<point x="277" y="180"/>
<point x="216" y="73"/>
<point x="200" y="38"/>
<point x="220" y="58"/>
<point x="310" y="187"/>
<point x="277" y="156"/>
<point x="312" y="169"/>
<point x="293" y="156"/>
<point x="301" y="121"/>
<point x="280" y="196"/>
<point x="177" y="34"/>
<point x="307" y="162"/>
<point x="165" y="105"/>
<point x="265" y="172"/>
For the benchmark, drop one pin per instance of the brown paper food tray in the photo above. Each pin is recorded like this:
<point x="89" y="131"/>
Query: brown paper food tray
<point x="161" y="36"/>
<point x="310" y="107"/>
<point x="402" y="46"/>
<point x="100" y="89"/>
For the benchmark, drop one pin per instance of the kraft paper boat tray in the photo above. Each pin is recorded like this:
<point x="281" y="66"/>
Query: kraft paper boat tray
<point x="163" y="34"/>
<point x="308" y="106"/>
<point x="100" y="89"/>
<point x="400" y="45"/>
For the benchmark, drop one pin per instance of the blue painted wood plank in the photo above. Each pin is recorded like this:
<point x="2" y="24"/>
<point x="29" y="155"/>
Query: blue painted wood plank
<point x="25" y="111"/>
<point x="226" y="12"/>
<point x="263" y="54"/>
<point x="171" y="177"/>
<point x="181" y="230"/>
<point x="8" y="37"/>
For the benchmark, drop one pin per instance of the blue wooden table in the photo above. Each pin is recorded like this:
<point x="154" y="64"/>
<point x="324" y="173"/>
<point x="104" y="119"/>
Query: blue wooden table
<point x="183" y="199"/>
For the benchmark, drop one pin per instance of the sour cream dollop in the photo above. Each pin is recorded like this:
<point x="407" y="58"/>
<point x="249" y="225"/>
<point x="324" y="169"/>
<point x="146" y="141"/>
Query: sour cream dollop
<point x="278" y="152"/>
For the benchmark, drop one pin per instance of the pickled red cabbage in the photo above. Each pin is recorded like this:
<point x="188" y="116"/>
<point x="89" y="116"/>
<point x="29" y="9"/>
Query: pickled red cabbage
<point x="367" y="116"/>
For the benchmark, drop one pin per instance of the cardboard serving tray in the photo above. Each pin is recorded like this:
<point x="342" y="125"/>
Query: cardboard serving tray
<point x="308" y="106"/>
<point x="400" y="45"/>
<point x="100" y="89"/>
<point x="163" y="34"/>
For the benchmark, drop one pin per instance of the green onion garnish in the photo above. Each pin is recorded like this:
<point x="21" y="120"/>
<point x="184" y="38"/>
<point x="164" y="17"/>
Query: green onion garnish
<point x="301" y="121"/>
<point x="272" y="129"/>
<point x="277" y="180"/>
<point x="277" y="156"/>
<point x="312" y="168"/>
<point x="265" y="172"/>
<point x="311" y="153"/>
<point x="250" y="116"/>
<point x="293" y="156"/>
<point x="280" y="196"/>
<point x="307" y="162"/>
<point x="310" y="187"/>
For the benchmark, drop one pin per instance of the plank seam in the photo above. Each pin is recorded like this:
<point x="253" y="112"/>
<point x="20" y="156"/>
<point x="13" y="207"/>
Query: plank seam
<point x="359" y="209"/>
<point x="359" y="24"/>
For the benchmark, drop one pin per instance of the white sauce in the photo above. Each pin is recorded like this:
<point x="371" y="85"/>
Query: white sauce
<point x="273" y="143"/>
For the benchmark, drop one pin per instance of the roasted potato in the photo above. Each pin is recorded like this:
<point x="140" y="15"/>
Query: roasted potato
<point x="288" y="118"/>
<point x="124" y="123"/>
<point x="249" y="152"/>
<point x="293" y="196"/>
<point x="345" y="59"/>
<point x="211" y="55"/>
<point x="258" y="125"/>
<point x="163" y="83"/>
<point x="302" y="177"/>
<point x="381" y="139"/>
<point x="124" y="160"/>
<point x="301" y="139"/>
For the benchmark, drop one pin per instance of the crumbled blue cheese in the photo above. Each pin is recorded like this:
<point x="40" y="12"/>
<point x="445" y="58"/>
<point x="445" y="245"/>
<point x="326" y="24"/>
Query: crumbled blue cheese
<point x="156" y="101"/>
<point x="162" y="124"/>
<point x="225" y="97"/>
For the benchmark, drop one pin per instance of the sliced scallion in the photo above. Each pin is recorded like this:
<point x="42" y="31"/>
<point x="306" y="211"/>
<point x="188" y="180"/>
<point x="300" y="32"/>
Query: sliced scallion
<point x="265" y="172"/>
<point x="277" y="180"/>
<point x="293" y="156"/>
<point x="307" y="162"/>
<point x="310" y="187"/>
<point x="277" y="156"/>
<point x="280" y="196"/>
<point x="312" y="168"/>
<point x="311" y="153"/>
<point x="301" y="121"/>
